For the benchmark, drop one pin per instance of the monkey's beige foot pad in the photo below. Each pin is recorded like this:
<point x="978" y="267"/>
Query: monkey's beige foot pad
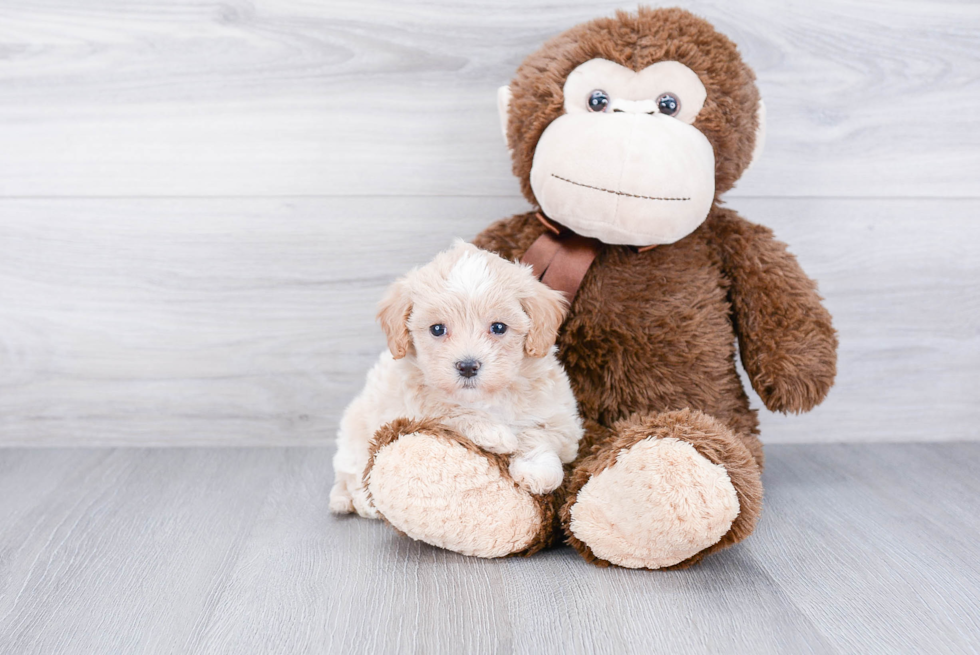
<point x="441" y="492"/>
<point x="658" y="504"/>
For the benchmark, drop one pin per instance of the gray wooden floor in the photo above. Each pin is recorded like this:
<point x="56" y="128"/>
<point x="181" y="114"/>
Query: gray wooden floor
<point x="862" y="548"/>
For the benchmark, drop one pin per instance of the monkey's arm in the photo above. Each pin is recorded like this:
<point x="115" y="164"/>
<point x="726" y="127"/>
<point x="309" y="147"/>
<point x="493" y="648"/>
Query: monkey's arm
<point x="786" y="339"/>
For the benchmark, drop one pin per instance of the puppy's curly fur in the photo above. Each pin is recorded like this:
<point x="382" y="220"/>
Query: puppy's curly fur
<point x="471" y="340"/>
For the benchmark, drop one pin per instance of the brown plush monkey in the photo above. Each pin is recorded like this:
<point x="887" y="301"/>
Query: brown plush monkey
<point x="624" y="133"/>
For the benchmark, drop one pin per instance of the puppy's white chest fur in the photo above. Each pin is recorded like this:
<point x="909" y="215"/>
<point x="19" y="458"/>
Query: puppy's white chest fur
<point x="499" y="409"/>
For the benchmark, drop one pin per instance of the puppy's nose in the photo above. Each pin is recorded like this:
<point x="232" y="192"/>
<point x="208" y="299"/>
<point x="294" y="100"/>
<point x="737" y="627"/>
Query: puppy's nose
<point x="467" y="367"/>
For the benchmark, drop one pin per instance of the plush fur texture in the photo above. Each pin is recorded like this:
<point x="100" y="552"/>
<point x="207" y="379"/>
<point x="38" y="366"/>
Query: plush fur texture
<point x="649" y="342"/>
<point x="652" y="334"/>
<point x="660" y="491"/>
<point x="469" y="503"/>
<point x="489" y="517"/>
<point x="728" y="117"/>
<point x="655" y="332"/>
<point x="517" y="400"/>
<point x="624" y="190"/>
<point x="674" y="502"/>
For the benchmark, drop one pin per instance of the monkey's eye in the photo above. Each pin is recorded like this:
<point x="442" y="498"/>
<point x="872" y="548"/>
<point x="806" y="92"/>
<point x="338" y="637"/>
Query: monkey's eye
<point x="668" y="104"/>
<point x="598" y="101"/>
<point x="498" y="328"/>
<point x="437" y="330"/>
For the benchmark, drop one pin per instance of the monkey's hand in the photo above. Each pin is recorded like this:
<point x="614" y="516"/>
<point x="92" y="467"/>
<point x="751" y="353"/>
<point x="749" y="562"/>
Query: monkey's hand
<point x="786" y="339"/>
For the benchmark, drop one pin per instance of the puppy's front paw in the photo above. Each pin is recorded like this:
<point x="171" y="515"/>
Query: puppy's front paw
<point x="348" y="496"/>
<point x="539" y="472"/>
<point x="341" y="501"/>
<point x="494" y="438"/>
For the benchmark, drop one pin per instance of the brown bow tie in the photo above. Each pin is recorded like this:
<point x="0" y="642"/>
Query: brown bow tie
<point x="560" y="258"/>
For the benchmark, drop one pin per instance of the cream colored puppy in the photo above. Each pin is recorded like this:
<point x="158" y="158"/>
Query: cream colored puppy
<point x="471" y="339"/>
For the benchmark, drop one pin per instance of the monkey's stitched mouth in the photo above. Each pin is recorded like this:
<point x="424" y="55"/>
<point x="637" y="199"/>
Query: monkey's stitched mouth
<point x="618" y="193"/>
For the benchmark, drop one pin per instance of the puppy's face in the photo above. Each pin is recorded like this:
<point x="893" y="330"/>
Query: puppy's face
<point x="470" y="317"/>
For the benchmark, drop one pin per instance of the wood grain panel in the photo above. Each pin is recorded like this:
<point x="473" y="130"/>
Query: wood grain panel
<point x="250" y="321"/>
<point x="380" y="97"/>
<point x="397" y="595"/>
<point x="234" y="551"/>
<point x="192" y="516"/>
<point x="895" y="518"/>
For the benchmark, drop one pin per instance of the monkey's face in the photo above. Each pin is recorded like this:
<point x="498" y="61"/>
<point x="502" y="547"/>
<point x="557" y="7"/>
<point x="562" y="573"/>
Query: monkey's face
<point x="632" y="151"/>
<point x="623" y="164"/>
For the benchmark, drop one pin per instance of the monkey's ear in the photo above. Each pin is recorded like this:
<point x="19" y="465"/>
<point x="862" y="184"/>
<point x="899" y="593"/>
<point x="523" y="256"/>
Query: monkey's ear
<point x="393" y="313"/>
<point x="760" y="134"/>
<point x="503" y="107"/>
<point x="546" y="308"/>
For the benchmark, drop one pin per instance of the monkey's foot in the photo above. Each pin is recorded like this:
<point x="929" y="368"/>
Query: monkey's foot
<point x="436" y="486"/>
<point x="666" y="491"/>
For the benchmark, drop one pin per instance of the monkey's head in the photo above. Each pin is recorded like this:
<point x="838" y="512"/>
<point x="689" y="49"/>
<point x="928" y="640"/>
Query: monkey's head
<point x="627" y="129"/>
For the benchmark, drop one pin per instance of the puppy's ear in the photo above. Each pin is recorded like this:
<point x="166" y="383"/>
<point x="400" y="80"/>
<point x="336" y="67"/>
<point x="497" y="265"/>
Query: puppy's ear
<point x="393" y="313"/>
<point x="546" y="308"/>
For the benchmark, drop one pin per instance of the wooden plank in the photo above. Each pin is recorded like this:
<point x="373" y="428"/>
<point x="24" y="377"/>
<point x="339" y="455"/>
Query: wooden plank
<point x="232" y="321"/>
<point x="383" y="98"/>
<point x="363" y="588"/>
<point x="222" y="321"/>
<point x="128" y="553"/>
<point x="233" y="550"/>
<point x="874" y="543"/>
<point x="900" y="279"/>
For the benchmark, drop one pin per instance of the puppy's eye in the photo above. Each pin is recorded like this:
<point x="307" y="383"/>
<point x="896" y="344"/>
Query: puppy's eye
<point x="668" y="104"/>
<point x="498" y="328"/>
<point x="598" y="100"/>
<point x="437" y="330"/>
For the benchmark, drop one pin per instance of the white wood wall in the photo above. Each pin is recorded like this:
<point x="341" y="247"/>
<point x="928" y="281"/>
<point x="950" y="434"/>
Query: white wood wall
<point x="200" y="202"/>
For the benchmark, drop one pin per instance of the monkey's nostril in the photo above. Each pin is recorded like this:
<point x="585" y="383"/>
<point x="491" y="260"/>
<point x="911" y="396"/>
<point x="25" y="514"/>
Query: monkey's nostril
<point x="468" y="367"/>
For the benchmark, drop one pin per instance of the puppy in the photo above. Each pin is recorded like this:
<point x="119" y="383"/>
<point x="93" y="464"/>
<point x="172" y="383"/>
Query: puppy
<point x="471" y="339"/>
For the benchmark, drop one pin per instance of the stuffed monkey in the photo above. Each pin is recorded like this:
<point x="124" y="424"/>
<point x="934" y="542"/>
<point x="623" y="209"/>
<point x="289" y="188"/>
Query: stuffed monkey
<point x="624" y="133"/>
